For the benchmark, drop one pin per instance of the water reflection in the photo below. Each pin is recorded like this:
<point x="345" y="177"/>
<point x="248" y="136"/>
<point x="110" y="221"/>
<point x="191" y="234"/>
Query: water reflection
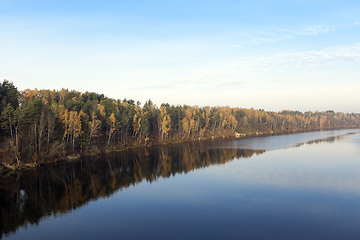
<point x="283" y="141"/>
<point x="27" y="197"/>
<point x="246" y="186"/>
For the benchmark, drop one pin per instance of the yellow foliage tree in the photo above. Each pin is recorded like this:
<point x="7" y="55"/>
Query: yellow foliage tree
<point x="165" y="122"/>
<point x="112" y="124"/>
<point x="94" y="126"/>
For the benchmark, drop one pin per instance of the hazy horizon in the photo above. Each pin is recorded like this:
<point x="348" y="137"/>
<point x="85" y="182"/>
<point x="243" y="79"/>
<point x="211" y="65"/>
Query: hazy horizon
<point x="298" y="55"/>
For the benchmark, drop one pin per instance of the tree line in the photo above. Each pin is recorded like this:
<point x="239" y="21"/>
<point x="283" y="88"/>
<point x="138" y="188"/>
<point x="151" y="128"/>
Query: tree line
<point x="48" y="124"/>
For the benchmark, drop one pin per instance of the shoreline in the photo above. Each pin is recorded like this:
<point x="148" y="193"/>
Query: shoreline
<point x="26" y="166"/>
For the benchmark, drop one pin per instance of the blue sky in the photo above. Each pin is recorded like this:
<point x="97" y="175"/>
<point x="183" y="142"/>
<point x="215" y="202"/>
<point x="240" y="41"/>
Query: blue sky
<point x="299" y="55"/>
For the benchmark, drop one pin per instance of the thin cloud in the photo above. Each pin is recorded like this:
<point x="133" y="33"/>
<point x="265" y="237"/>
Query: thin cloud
<point x="327" y="56"/>
<point x="314" y="30"/>
<point x="231" y="73"/>
<point x="281" y="34"/>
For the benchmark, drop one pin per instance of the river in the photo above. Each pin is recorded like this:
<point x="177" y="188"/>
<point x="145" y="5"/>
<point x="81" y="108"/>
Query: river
<point x="298" y="186"/>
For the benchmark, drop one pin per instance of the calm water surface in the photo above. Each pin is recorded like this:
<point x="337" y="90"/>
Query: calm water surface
<point x="301" y="186"/>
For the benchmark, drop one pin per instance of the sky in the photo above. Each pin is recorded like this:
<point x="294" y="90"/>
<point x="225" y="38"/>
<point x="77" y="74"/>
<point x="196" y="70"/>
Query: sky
<point x="274" y="55"/>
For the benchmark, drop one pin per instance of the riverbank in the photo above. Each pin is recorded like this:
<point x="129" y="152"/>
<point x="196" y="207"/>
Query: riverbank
<point x="6" y="168"/>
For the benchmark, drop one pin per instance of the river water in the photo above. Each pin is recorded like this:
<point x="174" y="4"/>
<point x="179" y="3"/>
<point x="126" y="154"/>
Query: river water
<point x="300" y="186"/>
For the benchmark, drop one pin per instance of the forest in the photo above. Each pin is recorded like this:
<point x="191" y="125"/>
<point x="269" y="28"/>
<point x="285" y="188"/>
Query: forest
<point x="42" y="126"/>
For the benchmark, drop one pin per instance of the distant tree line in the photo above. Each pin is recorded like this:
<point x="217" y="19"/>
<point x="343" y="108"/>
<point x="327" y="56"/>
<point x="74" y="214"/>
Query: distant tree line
<point x="40" y="124"/>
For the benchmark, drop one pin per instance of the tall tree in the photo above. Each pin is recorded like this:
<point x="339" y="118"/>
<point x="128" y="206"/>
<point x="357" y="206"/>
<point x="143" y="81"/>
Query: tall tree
<point x="165" y="122"/>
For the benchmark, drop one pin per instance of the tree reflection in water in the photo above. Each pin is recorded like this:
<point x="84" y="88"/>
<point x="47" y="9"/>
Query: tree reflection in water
<point x="29" y="196"/>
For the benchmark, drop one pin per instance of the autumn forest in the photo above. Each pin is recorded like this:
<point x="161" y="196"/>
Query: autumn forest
<point x="40" y="126"/>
